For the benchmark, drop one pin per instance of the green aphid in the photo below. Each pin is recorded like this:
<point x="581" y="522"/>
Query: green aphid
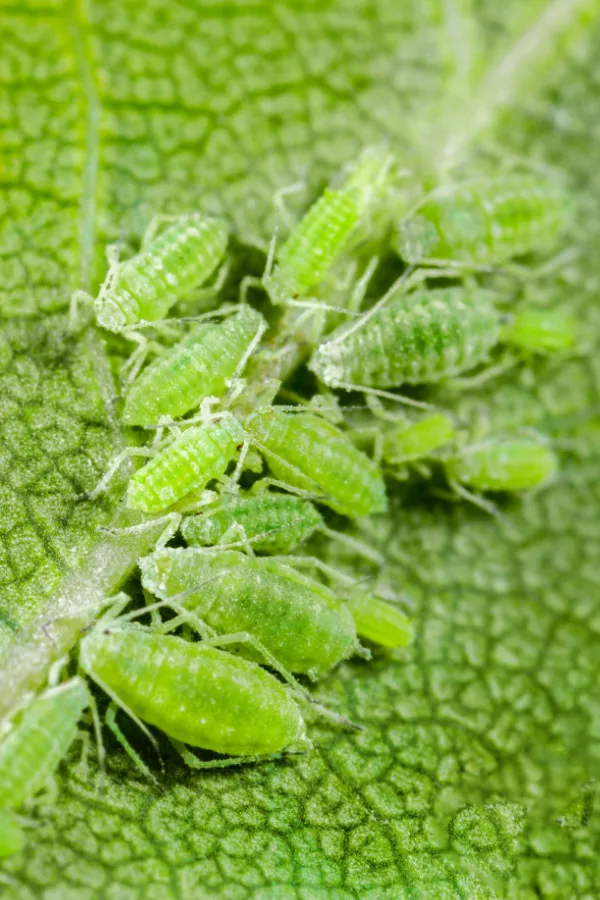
<point x="185" y="465"/>
<point x="32" y="750"/>
<point x="485" y="221"/>
<point x="300" y="621"/>
<point x="310" y="453"/>
<point x="512" y="464"/>
<point x="167" y="268"/>
<point x="269" y="523"/>
<point x="407" y="443"/>
<point x="195" y="693"/>
<point x="540" y="331"/>
<point x="199" y="366"/>
<point x="378" y="621"/>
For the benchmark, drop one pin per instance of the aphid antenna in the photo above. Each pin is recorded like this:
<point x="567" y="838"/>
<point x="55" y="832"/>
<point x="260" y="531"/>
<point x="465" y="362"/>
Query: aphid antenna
<point x="172" y="521"/>
<point x="225" y="310"/>
<point x="358" y="546"/>
<point x="313" y="562"/>
<point x="387" y="395"/>
<point x="316" y="304"/>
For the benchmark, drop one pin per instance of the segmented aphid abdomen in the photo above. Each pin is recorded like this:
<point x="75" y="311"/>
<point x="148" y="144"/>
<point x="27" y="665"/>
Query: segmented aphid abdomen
<point x="416" y="338"/>
<point x="199" y="695"/>
<point x="314" y="245"/>
<point x="199" y="366"/>
<point x="186" y="465"/>
<point x="299" y="620"/>
<point x="283" y="521"/>
<point x="510" y="464"/>
<point x="32" y="750"/>
<point x="310" y="453"/>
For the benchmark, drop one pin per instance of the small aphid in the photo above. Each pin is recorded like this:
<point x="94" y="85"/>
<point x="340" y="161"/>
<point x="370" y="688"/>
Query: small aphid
<point x="418" y="440"/>
<point x="502" y="464"/>
<point x="318" y="241"/>
<point x="300" y="621"/>
<point x="195" y="693"/>
<point x="185" y="465"/>
<point x="167" y="268"/>
<point x="540" y="331"/>
<point x="201" y="365"/>
<point x="485" y="221"/>
<point x="270" y="523"/>
<point x="31" y="751"/>
<point x="310" y="453"/>
<point x="379" y="621"/>
<point x="416" y="338"/>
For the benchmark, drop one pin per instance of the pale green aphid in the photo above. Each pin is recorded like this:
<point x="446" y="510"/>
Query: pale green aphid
<point x="512" y="464"/>
<point x="269" y="523"/>
<point x="300" y="621"/>
<point x="31" y="751"/>
<point x="310" y="453"/>
<point x="195" y="693"/>
<point x="485" y="221"/>
<point x="168" y="267"/>
<point x="540" y="331"/>
<point x="185" y="465"/>
<point x="201" y="365"/>
<point x="378" y="621"/>
<point x="317" y="242"/>
<point x="407" y="443"/>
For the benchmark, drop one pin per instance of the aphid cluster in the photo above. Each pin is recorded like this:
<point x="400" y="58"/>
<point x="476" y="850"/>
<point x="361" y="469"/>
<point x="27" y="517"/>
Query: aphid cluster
<point x="257" y="476"/>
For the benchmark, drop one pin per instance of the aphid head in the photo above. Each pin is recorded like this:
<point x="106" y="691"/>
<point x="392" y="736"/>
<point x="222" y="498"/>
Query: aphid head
<point x="109" y="313"/>
<point x="230" y="424"/>
<point x="416" y="237"/>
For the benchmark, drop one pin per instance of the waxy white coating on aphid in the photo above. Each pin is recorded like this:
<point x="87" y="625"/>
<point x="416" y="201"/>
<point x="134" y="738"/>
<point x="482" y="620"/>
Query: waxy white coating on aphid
<point x="301" y="622"/>
<point x="187" y="464"/>
<point x="196" y="694"/>
<point x="179" y="259"/>
<point x="379" y="621"/>
<point x="486" y="220"/>
<point x="310" y="453"/>
<point x="199" y="366"/>
<point x="272" y="523"/>
<point x="504" y="464"/>
<point x="33" y="748"/>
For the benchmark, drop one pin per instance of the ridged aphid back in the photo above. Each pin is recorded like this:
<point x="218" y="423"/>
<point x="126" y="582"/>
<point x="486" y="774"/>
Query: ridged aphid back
<point x="416" y="338"/>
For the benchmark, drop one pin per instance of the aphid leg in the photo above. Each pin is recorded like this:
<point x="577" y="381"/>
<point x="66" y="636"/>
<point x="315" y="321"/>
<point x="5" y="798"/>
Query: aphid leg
<point x="247" y="282"/>
<point x="233" y="482"/>
<point x="111" y="721"/>
<point x="243" y="637"/>
<point x="360" y="288"/>
<point x="211" y="290"/>
<point x="157" y="222"/>
<point x="467" y="382"/>
<point x="235" y="378"/>
<point x="55" y="670"/>
<point x="83" y="765"/>
<point x="130" y="369"/>
<point x="487" y="506"/>
<point x="259" y="487"/>
<point x="313" y="562"/>
<point x="237" y="530"/>
<point x="373" y="434"/>
<point x="191" y="760"/>
<point x="387" y="395"/>
<point x="358" y="546"/>
<point x="78" y="299"/>
<point x="113" y="469"/>
<point x="172" y="520"/>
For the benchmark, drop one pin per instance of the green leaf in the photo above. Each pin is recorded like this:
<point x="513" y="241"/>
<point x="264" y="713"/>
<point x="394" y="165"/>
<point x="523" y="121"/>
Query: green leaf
<point x="473" y="778"/>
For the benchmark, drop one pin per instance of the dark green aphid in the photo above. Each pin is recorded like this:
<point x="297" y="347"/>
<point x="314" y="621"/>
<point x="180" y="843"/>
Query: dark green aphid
<point x="302" y="623"/>
<point x="186" y="465"/>
<point x="310" y="453"/>
<point x="31" y="751"/>
<point x="201" y="365"/>
<point x="167" y="268"/>
<point x="379" y="621"/>
<point x="416" y="338"/>
<point x="270" y="523"/>
<point x="503" y="464"/>
<point x="485" y="221"/>
<point x="195" y="693"/>
<point x="418" y="440"/>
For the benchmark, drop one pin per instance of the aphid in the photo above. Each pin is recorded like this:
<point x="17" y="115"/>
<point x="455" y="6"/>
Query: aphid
<point x="269" y="523"/>
<point x="12" y="837"/>
<point x="195" y="693"/>
<point x="201" y="365"/>
<point x="186" y="464"/>
<point x="379" y="621"/>
<point x="415" y="338"/>
<point x="31" y="751"/>
<point x="167" y="268"/>
<point x="417" y="440"/>
<point x="319" y="239"/>
<point x="501" y="464"/>
<point x="310" y="453"/>
<point x="300" y="621"/>
<point x="540" y="331"/>
<point x="485" y="221"/>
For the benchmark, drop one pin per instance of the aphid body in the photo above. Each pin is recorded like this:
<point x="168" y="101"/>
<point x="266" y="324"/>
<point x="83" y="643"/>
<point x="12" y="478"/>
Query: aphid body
<point x="299" y="620"/>
<point x="199" y="366"/>
<point x="310" y="453"/>
<point x="418" y="440"/>
<point x="31" y="751"/>
<point x="503" y="464"/>
<point x="196" y="694"/>
<point x="272" y="523"/>
<point x="486" y="220"/>
<point x="379" y="621"/>
<point x="187" y="464"/>
<point x="166" y="269"/>
<point x="540" y="331"/>
<point x="416" y="338"/>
